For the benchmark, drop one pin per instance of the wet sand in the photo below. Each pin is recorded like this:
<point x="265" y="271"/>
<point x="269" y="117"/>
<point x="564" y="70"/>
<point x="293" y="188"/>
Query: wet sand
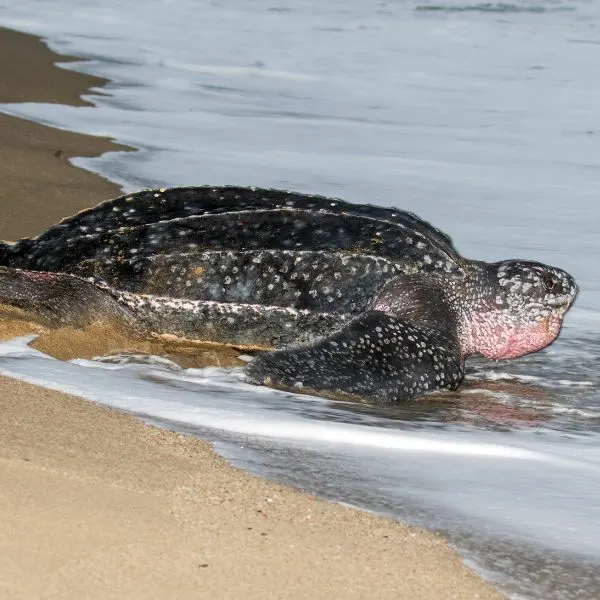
<point x="39" y="186"/>
<point x="96" y="504"/>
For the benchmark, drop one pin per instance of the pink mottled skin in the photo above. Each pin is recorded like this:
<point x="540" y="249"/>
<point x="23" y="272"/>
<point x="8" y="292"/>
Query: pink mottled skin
<point x="494" y="335"/>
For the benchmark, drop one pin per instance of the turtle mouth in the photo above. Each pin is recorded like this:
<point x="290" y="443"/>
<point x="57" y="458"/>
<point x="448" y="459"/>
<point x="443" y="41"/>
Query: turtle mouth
<point x="556" y="306"/>
<point x="558" y="302"/>
<point x="561" y="303"/>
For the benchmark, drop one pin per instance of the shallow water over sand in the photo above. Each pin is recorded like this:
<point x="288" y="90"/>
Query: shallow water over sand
<point x="480" y="117"/>
<point x="508" y="469"/>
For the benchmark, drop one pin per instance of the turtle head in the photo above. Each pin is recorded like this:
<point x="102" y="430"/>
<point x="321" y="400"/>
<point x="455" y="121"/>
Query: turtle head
<point x="517" y="308"/>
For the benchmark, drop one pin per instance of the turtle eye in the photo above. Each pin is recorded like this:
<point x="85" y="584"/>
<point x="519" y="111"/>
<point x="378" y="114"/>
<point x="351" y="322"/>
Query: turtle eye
<point x="551" y="283"/>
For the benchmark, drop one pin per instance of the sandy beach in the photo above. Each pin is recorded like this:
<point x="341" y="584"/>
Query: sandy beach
<point x="96" y="504"/>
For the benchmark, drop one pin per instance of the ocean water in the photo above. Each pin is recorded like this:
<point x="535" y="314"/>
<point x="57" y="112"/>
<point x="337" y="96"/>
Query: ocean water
<point x="480" y="117"/>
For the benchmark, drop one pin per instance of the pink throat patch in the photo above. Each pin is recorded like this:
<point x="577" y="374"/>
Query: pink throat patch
<point x="497" y="337"/>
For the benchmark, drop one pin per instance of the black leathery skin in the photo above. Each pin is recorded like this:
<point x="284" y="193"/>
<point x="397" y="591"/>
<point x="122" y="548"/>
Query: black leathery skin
<point x="277" y="229"/>
<point x="150" y="206"/>
<point x="244" y="325"/>
<point x="59" y="299"/>
<point x="376" y="356"/>
<point x="322" y="281"/>
<point x="5" y="252"/>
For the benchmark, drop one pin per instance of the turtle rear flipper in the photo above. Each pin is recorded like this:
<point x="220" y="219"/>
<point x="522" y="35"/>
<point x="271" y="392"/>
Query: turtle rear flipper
<point x="376" y="357"/>
<point x="59" y="299"/>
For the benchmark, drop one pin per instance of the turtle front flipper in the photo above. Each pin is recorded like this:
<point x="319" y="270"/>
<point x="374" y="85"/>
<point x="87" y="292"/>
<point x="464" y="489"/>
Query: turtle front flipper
<point x="61" y="300"/>
<point x="376" y="357"/>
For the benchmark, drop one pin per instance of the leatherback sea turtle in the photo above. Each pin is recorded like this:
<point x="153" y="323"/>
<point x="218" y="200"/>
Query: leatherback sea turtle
<point x="354" y="299"/>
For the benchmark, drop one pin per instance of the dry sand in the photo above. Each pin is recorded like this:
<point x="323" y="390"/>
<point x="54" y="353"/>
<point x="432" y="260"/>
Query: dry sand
<point x="95" y="504"/>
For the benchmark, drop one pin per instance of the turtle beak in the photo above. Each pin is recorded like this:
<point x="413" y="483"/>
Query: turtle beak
<point x="562" y="303"/>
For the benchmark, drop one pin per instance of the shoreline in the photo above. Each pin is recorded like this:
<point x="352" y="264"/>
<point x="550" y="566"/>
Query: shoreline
<point x="113" y="507"/>
<point x="39" y="184"/>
